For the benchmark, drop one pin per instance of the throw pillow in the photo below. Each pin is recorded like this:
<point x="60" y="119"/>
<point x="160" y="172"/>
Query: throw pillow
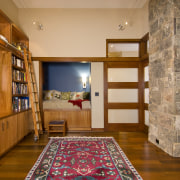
<point x="79" y="95"/>
<point x="65" y="95"/>
<point x="56" y="95"/>
<point x="48" y="95"/>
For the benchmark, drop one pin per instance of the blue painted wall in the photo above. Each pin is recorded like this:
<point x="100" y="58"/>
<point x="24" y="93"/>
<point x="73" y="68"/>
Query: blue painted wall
<point x="66" y="76"/>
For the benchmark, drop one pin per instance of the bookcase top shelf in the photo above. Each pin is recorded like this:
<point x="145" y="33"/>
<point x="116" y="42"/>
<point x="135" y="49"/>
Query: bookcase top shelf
<point x="5" y="46"/>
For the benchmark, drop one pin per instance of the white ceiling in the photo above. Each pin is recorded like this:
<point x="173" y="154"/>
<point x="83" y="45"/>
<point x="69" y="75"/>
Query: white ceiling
<point x="79" y="3"/>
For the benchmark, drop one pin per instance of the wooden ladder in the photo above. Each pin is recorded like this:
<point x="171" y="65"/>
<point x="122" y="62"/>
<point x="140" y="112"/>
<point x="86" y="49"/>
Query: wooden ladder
<point x="33" y="94"/>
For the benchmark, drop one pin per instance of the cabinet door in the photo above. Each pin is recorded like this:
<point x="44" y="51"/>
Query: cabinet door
<point x="24" y="124"/>
<point x="20" y="125"/>
<point x="30" y="125"/>
<point x="8" y="133"/>
<point x="28" y="122"/>
<point x="11" y="130"/>
<point x="3" y="140"/>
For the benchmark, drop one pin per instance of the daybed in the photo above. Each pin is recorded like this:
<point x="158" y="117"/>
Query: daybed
<point x="74" y="107"/>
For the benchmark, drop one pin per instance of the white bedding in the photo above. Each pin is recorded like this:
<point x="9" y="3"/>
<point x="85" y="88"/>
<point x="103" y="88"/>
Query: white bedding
<point x="64" y="104"/>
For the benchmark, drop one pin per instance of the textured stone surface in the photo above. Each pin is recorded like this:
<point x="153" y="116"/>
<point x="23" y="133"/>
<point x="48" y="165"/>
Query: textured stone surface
<point x="177" y="26"/>
<point x="176" y="149"/>
<point x="164" y="80"/>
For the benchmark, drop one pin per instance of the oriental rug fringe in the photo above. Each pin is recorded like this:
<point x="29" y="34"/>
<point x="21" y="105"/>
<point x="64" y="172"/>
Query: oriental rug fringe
<point x="80" y="158"/>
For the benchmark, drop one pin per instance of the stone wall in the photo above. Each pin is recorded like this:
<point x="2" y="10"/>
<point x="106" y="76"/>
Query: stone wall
<point x="164" y="71"/>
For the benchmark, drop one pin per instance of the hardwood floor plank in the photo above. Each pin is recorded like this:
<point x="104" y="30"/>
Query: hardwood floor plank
<point x="150" y="162"/>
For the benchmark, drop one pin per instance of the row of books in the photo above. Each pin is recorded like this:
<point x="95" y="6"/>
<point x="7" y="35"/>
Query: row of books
<point x="17" y="62"/>
<point x="18" y="88"/>
<point x="20" y="103"/>
<point x="18" y="75"/>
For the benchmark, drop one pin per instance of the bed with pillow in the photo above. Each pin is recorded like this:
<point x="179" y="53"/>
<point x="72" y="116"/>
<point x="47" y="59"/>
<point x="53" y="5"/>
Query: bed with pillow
<point x="74" y="107"/>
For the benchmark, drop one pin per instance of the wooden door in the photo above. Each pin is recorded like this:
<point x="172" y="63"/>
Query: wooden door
<point x="122" y="101"/>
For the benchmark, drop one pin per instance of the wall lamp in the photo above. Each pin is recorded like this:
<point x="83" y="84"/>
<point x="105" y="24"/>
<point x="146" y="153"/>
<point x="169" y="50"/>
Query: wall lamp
<point x="123" y="26"/>
<point x="39" y="25"/>
<point x="84" y="81"/>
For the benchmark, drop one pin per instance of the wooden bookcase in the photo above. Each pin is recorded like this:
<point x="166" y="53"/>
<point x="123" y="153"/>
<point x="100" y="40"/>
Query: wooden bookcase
<point x="11" y="45"/>
<point x="14" y="125"/>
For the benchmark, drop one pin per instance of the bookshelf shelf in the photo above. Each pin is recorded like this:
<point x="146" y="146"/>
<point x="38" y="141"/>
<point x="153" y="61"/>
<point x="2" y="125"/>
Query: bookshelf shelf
<point x="18" y="68"/>
<point x="22" y="82"/>
<point x="20" y="95"/>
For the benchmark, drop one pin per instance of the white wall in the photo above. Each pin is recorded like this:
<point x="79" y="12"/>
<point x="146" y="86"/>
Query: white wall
<point x="145" y="18"/>
<point x="78" y="32"/>
<point x="9" y="8"/>
<point x="81" y="33"/>
<point x="97" y="102"/>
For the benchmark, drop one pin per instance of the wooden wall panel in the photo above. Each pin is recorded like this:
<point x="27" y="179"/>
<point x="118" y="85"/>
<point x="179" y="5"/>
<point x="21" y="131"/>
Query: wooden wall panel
<point x="76" y="119"/>
<point x="5" y="83"/>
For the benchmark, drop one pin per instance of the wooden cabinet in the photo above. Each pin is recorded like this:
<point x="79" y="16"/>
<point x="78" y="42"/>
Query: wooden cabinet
<point x="24" y="124"/>
<point x="12" y="42"/>
<point x="14" y="125"/>
<point x="13" y="128"/>
<point x="8" y="133"/>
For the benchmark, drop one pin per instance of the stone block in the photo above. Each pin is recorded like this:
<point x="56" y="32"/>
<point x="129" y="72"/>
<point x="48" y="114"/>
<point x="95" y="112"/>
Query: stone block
<point x="165" y="121"/>
<point x="177" y="26"/>
<point x="156" y="97"/>
<point x="177" y="65"/>
<point x="153" y="107"/>
<point x="177" y="52"/>
<point x="167" y="30"/>
<point x="171" y="108"/>
<point x="176" y="149"/>
<point x="177" y="41"/>
<point x="177" y="96"/>
<point x="158" y="69"/>
<point x="178" y="108"/>
<point x="177" y="124"/>
<point x="154" y="27"/>
<point x="168" y="95"/>
<point x="167" y="55"/>
<point x="153" y="130"/>
<point x="177" y="80"/>
<point x="153" y="8"/>
<point x="165" y="44"/>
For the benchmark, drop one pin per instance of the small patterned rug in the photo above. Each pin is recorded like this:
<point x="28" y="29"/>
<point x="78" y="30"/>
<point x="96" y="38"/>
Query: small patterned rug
<point x="80" y="158"/>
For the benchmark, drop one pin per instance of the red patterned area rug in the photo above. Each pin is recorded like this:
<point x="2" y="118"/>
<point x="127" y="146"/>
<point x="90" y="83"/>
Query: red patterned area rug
<point x="80" y="158"/>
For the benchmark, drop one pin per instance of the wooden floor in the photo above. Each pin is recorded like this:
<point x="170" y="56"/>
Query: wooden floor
<point x="151" y="162"/>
